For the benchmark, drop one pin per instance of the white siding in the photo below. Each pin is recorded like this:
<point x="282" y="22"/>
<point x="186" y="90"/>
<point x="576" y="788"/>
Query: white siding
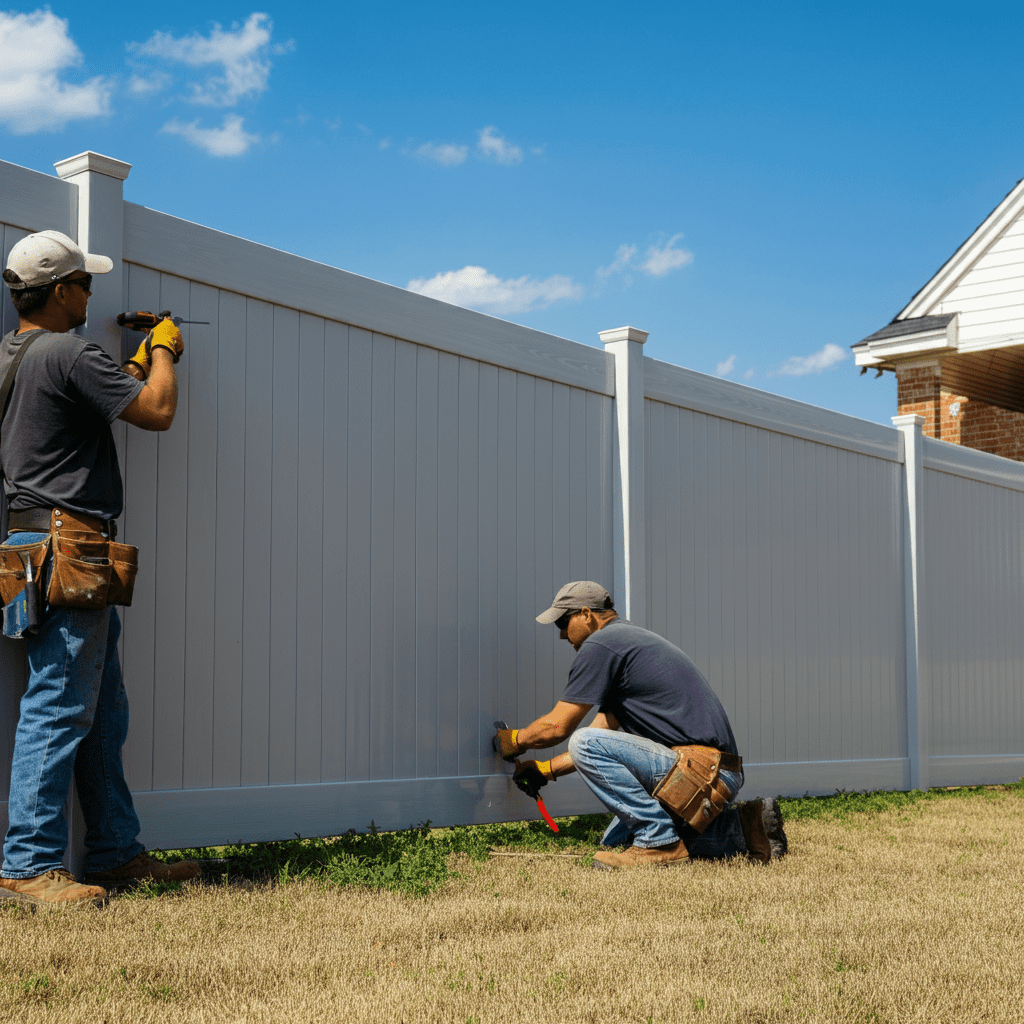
<point x="990" y="296"/>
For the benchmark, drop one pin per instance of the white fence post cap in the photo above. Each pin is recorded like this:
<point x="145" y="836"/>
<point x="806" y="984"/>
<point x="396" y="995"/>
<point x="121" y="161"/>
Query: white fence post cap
<point x="623" y="334"/>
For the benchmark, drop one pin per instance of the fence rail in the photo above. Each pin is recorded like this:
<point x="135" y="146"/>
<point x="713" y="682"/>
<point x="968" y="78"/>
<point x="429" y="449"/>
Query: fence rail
<point x="367" y="495"/>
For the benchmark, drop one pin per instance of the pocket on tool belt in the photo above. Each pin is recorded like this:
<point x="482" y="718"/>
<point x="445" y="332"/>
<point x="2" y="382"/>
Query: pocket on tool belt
<point x="124" y="560"/>
<point x="692" y="791"/>
<point x="81" y="573"/>
<point x="12" y="567"/>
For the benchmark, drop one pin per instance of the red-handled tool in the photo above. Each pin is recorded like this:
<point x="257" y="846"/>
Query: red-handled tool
<point x="530" y="789"/>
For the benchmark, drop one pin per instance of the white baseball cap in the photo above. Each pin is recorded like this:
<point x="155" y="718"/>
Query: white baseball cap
<point x="49" y="256"/>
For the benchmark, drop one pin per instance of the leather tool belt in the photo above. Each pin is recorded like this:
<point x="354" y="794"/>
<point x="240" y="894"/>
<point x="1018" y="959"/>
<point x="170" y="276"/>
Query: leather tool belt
<point x="87" y="567"/>
<point x="692" y="792"/>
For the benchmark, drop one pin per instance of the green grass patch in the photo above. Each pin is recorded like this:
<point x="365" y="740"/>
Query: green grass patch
<point x="417" y="860"/>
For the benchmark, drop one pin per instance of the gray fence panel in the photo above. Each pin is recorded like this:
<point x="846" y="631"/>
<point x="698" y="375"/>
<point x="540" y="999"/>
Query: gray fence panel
<point x="776" y="562"/>
<point x="974" y="645"/>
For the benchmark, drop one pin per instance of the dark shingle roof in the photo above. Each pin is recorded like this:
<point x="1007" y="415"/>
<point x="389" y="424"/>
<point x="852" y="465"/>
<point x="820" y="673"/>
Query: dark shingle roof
<point x="915" y="325"/>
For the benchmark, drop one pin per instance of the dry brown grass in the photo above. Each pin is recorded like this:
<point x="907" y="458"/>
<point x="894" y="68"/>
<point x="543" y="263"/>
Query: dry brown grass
<point x="910" y="915"/>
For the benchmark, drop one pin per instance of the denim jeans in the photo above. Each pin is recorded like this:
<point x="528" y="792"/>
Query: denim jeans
<point x="73" y="720"/>
<point x="622" y="770"/>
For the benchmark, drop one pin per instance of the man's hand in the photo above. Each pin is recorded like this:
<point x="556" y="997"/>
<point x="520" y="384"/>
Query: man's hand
<point x="141" y="363"/>
<point x="165" y="335"/>
<point x="532" y="776"/>
<point x="505" y="744"/>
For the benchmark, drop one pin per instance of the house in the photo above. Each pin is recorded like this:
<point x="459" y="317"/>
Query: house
<point x="957" y="347"/>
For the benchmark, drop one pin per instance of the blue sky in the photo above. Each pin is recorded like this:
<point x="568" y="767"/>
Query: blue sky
<point x="759" y="186"/>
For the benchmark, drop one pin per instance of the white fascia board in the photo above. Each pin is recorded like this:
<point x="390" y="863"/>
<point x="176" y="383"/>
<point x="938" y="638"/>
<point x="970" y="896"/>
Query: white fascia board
<point x="928" y="298"/>
<point x="911" y="345"/>
<point x="863" y="357"/>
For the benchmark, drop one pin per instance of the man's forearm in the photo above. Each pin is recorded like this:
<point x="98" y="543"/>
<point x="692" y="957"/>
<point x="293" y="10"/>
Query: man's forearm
<point x="544" y="732"/>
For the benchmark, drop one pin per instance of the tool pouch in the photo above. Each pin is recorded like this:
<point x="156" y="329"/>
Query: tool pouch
<point x="21" y="597"/>
<point x="81" y="571"/>
<point x="692" y="791"/>
<point x="124" y="559"/>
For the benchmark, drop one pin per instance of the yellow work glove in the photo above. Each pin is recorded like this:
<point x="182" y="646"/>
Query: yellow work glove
<point x="142" y="361"/>
<point x="165" y="335"/>
<point x="532" y="776"/>
<point x="505" y="744"/>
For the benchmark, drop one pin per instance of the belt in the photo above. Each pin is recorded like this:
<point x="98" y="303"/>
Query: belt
<point x="43" y="520"/>
<point x="730" y="762"/>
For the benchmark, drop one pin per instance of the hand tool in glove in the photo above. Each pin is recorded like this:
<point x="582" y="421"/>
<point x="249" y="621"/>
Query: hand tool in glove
<point x="528" y="776"/>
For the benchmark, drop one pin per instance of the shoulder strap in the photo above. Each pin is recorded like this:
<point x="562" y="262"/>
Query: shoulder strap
<point x="5" y="389"/>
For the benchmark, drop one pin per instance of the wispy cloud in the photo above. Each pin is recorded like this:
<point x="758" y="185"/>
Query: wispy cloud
<point x="491" y="146"/>
<point x="623" y="257"/>
<point x="747" y="374"/>
<point x="664" y="258"/>
<point x="447" y="155"/>
<point x="34" y="49"/>
<point x="723" y="369"/>
<point x="241" y="54"/>
<point x="231" y="139"/>
<point x="476" y="288"/>
<point x="800" y="366"/>
<point x="144" y="86"/>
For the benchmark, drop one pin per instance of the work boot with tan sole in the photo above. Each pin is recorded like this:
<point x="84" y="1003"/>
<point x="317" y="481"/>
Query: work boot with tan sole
<point x="57" y="886"/>
<point x="642" y="857"/>
<point x="762" y="830"/>
<point x="144" y="868"/>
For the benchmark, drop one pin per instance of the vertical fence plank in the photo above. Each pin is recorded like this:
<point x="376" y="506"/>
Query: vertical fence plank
<point x="404" y="729"/>
<point x="467" y="513"/>
<point x="448" y="566"/>
<point x="257" y="539"/>
<point x="527" y="590"/>
<point x="283" y="553"/>
<point x="201" y="534"/>
<point x="310" y="550"/>
<point x="427" y="568"/>
<point x="507" y="706"/>
<point x="359" y="575"/>
<point x="229" y="562"/>
<point x="336" y="444"/>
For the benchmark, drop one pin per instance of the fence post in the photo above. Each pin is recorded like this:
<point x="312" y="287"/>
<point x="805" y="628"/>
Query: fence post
<point x="100" y="181"/>
<point x="910" y="428"/>
<point x="629" y="588"/>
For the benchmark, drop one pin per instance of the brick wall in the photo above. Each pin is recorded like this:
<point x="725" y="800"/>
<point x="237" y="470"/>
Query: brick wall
<point x="919" y="391"/>
<point x="984" y="427"/>
<point x="957" y="418"/>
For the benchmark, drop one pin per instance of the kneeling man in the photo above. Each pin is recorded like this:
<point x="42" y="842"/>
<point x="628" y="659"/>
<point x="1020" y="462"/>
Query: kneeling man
<point x="660" y="753"/>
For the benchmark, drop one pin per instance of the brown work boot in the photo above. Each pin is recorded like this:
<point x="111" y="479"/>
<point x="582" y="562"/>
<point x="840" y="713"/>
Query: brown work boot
<point x="56" y="886"/>
<point x="640" y="857"/>
<point x="762" y="830"/>
<point x="144" y="868"/>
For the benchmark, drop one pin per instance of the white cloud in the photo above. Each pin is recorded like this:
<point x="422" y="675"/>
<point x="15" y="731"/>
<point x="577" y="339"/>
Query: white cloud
<point x="242" y="54"/>
<point x="747" y="374"/>
<point x="35" y="49"/>
<point x="663" y="258"/>
<point x="447" y="155"/>
<point x="623" y="257"/>
<point x="231" y="139"/>
<point x="155" y="82"/>
<point x="724" y="369"/>
<point x="799" y="366"/>
<point x="491" y="146"/>
<point x="476" y="288"/>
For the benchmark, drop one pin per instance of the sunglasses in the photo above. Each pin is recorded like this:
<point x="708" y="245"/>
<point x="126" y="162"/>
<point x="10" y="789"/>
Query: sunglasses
<point x="562" y="622"/>
<point x="85" y="283"/>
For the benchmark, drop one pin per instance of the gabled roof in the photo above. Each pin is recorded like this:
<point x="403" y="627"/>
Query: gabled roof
<point x="900" y="328"/>
<point x="961" y="261"/>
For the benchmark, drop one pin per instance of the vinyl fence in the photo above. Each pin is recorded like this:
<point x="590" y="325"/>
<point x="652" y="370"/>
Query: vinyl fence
<point x="367" y="495"/>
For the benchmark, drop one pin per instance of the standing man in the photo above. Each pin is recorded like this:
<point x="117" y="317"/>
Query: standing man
<point x="660" y="753"/>
<point x="64" y="492"/>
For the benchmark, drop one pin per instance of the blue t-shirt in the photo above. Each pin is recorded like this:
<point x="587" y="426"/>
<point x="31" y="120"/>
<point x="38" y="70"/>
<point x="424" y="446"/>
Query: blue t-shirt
<point x="651" y="687"/>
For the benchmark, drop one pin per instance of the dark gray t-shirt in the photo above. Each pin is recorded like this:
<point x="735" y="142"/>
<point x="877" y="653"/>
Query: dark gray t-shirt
<point x="57" y="448"/>
<point x="651" y="687"/>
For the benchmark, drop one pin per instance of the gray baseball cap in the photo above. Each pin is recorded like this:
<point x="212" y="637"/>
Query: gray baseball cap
<point x="574" y="597"/>
<point x="49" y="256"/>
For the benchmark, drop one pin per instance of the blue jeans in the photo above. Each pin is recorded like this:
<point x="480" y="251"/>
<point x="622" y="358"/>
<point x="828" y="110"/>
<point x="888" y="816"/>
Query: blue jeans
<point x="622" y="770"/>
<point x="73" y="720"/>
